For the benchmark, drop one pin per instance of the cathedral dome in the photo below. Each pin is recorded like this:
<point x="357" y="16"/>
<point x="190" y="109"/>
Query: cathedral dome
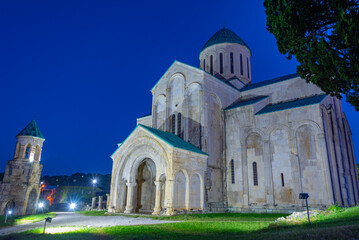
<point x="224" y="36"/>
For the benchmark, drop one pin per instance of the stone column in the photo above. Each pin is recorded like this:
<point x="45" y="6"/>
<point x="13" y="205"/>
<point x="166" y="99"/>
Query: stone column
<point x="130" y="192"/>
<point x="157" y="209"/>
<point x="100" y="198"/>
<point x="107" y="201"/>
<point x="93" y="203"/>
<point x="169" y="197"/>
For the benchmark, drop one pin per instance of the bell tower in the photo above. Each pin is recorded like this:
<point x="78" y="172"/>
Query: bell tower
<point x="20" y="188"/>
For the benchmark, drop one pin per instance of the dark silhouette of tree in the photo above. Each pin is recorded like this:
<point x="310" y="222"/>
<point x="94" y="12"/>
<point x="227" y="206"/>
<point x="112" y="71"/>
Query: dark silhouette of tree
<point x="323" y="35"/>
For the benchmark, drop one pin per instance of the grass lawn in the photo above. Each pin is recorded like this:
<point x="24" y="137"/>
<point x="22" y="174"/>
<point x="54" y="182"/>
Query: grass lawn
<point x="342" y="224"/>
<point x="15" y="220"/>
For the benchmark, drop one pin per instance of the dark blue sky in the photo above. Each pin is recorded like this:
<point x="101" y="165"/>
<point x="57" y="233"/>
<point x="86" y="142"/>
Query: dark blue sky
<point x="85" y="68"/>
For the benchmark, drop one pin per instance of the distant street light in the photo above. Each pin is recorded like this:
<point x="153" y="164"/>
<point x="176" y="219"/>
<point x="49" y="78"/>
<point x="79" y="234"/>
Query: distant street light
<point x="94" y="181"/>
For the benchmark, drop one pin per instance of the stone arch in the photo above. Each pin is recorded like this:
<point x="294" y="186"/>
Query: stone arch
<point x="194" y="109"/>
<point x="8" y="205"/>
<point x="126" y="163"/>
<point x="31" y="205"/>
<point x="286" y="187"/>
<point x="37" y="153"/>
<point x="176" y="88"/>
<point x="196" y="191"/>
<point x="159" y="112"/>
<point x="312" y="179"/>
<point x="254" y="148"/>
<point x="27" y="151"/>
<point x="314" y="124"/>
<point x="146" y="189"/>
<point x="180" y="189"/>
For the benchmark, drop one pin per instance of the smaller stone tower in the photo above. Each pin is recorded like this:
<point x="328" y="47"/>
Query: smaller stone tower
<point x="20" y="188"/>
<point x="227" y="57"/>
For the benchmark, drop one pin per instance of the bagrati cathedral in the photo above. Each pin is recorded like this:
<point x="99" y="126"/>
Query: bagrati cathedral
<point x="216" y="142"/>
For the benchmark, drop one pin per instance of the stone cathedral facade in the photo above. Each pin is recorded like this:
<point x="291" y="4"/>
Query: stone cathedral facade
<point x="216" y="142"/>
<point x="20" y="188"/>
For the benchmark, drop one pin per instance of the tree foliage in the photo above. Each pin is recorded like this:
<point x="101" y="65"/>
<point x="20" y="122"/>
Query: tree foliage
<point x="323" y="35"/>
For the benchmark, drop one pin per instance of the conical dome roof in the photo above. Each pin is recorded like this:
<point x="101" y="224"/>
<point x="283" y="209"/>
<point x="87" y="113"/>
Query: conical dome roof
<point x="224" y="36"/>
<point x="31" y="130"/>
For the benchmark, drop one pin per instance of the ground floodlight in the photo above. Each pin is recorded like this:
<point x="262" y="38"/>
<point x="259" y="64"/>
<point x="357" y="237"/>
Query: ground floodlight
<point x="9" y="212"/>
<point x="94" y="181"/>
<point x="72" y="205"/>
<point x="41" y="205"/>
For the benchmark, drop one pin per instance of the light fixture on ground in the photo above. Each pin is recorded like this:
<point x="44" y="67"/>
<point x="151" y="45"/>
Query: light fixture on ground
<point x="94" y="181"/>
<point x="40" y="205"/>
<point x="72" y="206"/>
<point x="8" y="213"/>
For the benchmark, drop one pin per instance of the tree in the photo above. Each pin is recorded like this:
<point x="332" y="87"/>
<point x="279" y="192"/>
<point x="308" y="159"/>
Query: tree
<point x="323" y="35"/>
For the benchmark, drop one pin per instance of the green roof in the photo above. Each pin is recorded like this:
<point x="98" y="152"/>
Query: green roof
<point x="173" y="140"/>
<point x="224" y="36"/>
<point x="268" y="82"/>
<point x="242" y="103"/>
<point x="31" y="130"/>
<point x="292" y="104"/>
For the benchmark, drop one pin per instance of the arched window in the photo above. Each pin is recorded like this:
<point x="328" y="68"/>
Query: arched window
<point x="232" y="171"/>
<point x="221" y="62"/>
<point x="241" y="64"/>
<point x="173" y="125"/>
<point x="248" y="67"/>
<point x="211" y="65"/>
<point x="179" y="119"/>
<point x="27" y="152"/>
<point x="282" y="176"/>
<point x="204" y="64"/>
<point x="232" y="66"/>
<point x="255" y="174"/>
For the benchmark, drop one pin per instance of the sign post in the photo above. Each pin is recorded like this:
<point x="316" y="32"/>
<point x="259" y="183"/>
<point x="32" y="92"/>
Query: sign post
<point x="48" y="219"/>
<point x="305" y="196"/>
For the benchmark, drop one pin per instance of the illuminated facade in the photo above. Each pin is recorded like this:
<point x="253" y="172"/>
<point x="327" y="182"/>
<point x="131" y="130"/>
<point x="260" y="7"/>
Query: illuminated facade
<point x="216" y="142"/>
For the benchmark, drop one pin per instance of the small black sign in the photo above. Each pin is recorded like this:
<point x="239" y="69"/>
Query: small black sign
<point x="48" y="219"/>
<point x="303" y="195"/>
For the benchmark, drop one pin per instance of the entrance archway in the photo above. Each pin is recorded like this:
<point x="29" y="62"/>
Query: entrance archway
<point x="31" y="202"/>
<point x="10" y="205"/>
<point x="146" y="188"/>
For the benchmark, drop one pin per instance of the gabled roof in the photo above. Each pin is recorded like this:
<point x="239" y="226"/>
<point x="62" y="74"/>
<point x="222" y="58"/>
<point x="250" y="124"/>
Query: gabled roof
<point x="147" y="115"/>
<point x="242" y="103"/>
<point x="173" y="140"/>
<point x="197" y="69"/>
<point x="224" y="35"/>
<point x="31" y="130"/>
<point x="268" y="82"/>
<point x="292" y="104"/>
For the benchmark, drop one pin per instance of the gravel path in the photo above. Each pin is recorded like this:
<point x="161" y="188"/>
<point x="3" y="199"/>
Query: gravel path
<point x="76" y="219"/>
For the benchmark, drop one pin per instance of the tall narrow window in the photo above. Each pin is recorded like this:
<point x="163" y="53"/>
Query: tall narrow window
<point x="232" y="66"/>
<point x="247" y="67"/>
<point x="204" y="64"/>
<point x="173" y="124"/>
<point x="282" y="176"/>
<point x="232" y="171"/>
<point x="221" y="62"/>
<point x="179" y="119"/>
<point x="255" y="174"/>
<point x="211" y="65"/>
<point x="27" y="152"/>
<point x="241" y="64"/>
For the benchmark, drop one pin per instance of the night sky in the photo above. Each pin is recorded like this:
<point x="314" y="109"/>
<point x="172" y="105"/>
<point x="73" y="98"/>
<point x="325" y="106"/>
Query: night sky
<point x="85" y="68"/>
